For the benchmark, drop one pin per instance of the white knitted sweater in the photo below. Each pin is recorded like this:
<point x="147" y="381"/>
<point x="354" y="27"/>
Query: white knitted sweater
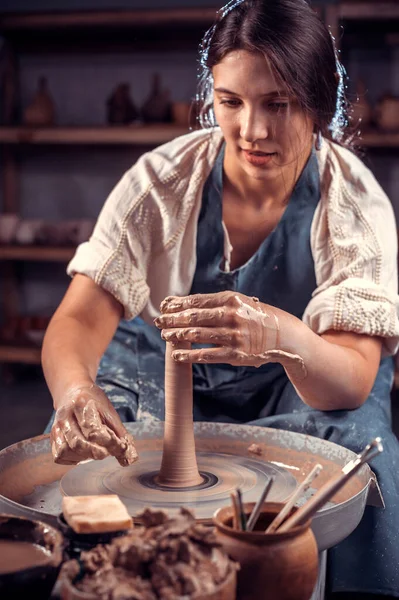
<point x="143" y="247"/>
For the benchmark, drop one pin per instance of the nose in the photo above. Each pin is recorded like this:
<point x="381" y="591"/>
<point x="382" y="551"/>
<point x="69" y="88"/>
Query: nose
<point x="254" y="125"/>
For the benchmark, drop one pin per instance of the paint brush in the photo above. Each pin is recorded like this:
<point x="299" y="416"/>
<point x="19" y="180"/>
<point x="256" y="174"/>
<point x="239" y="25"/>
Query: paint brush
<point x="302" y="488"/>
<point x="243" y="520"/>
<point x="331" y="487"/>
<point x="258" y="506"/>
<point x="236" y="515"/>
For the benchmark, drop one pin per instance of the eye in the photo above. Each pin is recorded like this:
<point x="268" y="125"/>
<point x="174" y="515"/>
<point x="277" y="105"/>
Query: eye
<point x="278" y="106"/>
<point x="230" y="102"/>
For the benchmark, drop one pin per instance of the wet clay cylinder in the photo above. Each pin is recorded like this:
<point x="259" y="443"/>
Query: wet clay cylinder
<point x="179" y="463"/>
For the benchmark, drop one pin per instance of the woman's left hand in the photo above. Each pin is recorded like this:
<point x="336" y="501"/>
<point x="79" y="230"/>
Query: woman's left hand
<point x="244" y="331"/>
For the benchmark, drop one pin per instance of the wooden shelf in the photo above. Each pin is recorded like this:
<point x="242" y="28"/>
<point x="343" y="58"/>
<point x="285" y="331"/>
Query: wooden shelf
<point x="36" y="253"/>
<point x="106" y="19"/>
<point x="361" y="10"/>
<point x="130" y="134"/>
<point x="140" y="135"/>
<point x="20" y="354"/>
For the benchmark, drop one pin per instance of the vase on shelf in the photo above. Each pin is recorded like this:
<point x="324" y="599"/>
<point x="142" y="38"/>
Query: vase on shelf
<point x="121" y="109"/>
<point x="387" y="113"/>
<point x="157" y="107"/>
<point x="41" y="111"/>
<point x="362" y="112"/>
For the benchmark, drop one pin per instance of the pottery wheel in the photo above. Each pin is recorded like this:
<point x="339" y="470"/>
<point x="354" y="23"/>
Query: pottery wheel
<point x="137" y="485"/>
<point x="31" y="483"/>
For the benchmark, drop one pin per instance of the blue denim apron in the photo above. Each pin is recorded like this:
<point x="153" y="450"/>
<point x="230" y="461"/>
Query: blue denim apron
<point x="281" y="273"/>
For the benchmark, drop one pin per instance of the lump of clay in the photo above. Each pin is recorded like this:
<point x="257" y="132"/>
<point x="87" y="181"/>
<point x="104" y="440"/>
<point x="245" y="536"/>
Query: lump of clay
<point x="168" y="558"/>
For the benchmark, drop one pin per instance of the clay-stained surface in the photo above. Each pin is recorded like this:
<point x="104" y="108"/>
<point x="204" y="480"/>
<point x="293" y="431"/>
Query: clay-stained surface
<point x="30" y="481"/>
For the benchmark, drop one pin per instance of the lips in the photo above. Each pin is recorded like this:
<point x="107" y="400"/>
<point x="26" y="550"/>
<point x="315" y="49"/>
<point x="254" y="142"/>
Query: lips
<point x="258" y="158"/>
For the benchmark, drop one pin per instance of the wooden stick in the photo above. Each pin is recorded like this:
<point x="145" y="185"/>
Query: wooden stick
<point x="258" y="506"/>
<point x="285" y="511"/>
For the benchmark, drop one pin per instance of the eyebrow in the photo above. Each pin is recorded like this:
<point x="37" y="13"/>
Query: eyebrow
<point x="273" y="93"/>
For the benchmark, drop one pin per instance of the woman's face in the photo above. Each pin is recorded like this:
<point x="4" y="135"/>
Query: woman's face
<point x="266" y="132"/>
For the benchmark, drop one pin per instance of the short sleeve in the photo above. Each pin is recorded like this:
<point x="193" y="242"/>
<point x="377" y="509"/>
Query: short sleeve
<point x="354" y="246"/>
<point x="117" y="254"/>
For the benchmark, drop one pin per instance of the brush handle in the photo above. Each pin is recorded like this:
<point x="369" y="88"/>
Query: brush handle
<point x="323" y="495"/>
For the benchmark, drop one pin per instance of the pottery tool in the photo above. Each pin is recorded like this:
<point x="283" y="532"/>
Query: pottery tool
<point x="236" y="514"/>
<point x="331" y="487"/>
<point x="289" y="505"/>
<point x="258" y="506"/>
<point x="243" y="519"/>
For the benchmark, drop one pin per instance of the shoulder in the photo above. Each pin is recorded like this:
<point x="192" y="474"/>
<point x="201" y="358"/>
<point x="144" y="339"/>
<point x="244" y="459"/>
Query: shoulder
<point x="196" y="150"/>
<point x="343" y="172"/>
<point x="353" y="229"/>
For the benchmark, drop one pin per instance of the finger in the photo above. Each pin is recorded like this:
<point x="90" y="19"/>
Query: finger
<point x="202" y="335"/>
<point x="77" y="442"/>
<point x="176" y="303"/>
<point x="211" y="317"/>
<point x="211" y="355"/>
<point x="93" y="428"/>
<point x="61" y="452"/>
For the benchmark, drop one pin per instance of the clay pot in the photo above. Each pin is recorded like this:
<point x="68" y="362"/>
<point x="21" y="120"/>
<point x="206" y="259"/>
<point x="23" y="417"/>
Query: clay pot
<point x="121" y="109"/>
<point x="37" y="580"/>
<point x="362" y="112"/>
<point x="225" y="591"/>
<point x="157" y="107"/>
<point x="281" y="566"/>
<point x="8" y="227"/>
<point x="181" y="113"/>
<point x="41" y="112"/>
<point x="387" y="113"/>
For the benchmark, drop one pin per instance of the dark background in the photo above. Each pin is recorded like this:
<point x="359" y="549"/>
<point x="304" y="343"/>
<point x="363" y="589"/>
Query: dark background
<point x="71" y="182"/>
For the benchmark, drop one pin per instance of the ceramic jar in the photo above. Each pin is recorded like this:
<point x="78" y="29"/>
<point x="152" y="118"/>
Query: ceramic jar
<point x="387" y="113"/>
<point x="362" y="112"/>
<point x="281" y="566"/>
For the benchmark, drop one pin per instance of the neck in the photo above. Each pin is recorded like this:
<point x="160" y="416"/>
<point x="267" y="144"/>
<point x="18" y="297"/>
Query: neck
<point x="258" y="192"/>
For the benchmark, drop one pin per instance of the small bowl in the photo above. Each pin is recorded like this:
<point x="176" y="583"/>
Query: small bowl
<point x="75" y="543"/>
<point x="30" y="580"/>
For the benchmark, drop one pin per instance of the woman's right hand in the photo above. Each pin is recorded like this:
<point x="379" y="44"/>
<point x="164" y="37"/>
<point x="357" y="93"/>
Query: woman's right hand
<point x="87" y="426"/>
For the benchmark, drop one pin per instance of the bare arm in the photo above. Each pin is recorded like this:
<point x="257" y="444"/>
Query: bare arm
<point x="341" y="367"/>
<point x="86" y="425"/>
<point x="78" y="335"/>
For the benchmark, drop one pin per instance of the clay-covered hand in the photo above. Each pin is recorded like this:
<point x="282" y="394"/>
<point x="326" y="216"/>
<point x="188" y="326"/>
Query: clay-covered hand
<point x="87" y="426"/>
<point x="243" y="330"/>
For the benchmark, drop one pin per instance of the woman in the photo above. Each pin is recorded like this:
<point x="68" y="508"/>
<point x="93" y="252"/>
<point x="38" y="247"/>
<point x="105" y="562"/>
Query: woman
<point x="272" y="243"/>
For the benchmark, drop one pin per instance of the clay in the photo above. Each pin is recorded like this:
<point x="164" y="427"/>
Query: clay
<point x="255" y="449"/>
<point x="244" y="331"/>
<point x="167" y="558"/>
<point x="179" y="463"/>
<point x="16" y="555"/>
<point x="87" y="426"/>
<point x="276" y="565"/>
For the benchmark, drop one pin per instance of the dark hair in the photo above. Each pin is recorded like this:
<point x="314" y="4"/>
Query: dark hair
<point x="300" y="49"/>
